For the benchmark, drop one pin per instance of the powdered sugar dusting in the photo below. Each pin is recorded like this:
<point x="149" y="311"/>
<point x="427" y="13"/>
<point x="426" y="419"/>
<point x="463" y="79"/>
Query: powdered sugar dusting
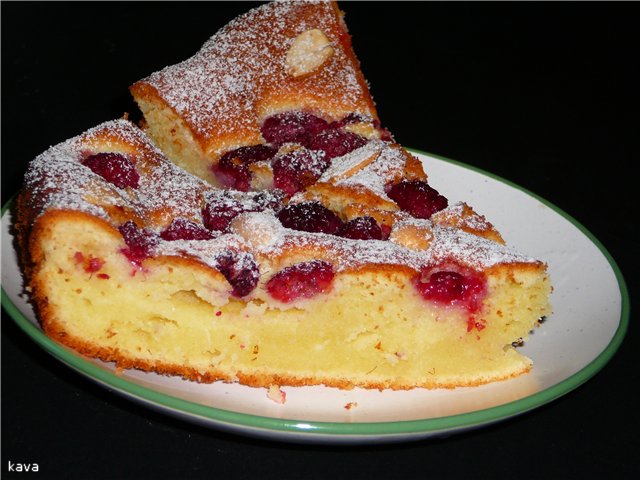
<point x="58" y="180"/>
<point x="226" y="86"/>
<point x="466" y="216"/>
<point x="180" y="194"/>
<point x="375" y="175"/>
<point x="60" y="167"/>
<point x="206" y="251"/>
<point x="472" y="250"/>
<point x="340" y="166"/>
<point x="244" y="201"/>
<point x="447" y="244"/>
<point x="312" y="161"/>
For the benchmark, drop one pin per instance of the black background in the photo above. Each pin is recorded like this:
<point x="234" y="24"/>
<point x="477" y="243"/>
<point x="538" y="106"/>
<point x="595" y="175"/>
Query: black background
<point x="543" y="94"/>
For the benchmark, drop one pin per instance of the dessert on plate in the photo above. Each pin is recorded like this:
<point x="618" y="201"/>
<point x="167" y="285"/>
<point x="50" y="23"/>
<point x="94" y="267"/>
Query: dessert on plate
<point x="263" y="228"/>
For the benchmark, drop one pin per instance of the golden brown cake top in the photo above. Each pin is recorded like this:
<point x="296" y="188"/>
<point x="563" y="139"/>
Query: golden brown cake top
<point x="59" y="179"/>
<point x="284" y="246"/>
<point x="280" y="56"/>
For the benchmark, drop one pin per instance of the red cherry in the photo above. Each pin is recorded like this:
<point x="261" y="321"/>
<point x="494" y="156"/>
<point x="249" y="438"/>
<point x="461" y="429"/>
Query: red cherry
<point x="292" y="127"/>
<point x="361" y="228"/>
<point x="417" y="198"/>
<point x="232" y="170"/>
<point x="183" y="229"/>
<point x="302" y="280"/>
<point x="139" y="242"/>
<point x="221" y="209"/>
<point x="443" y="287"/>
<point x="114" y="168"/>
<point x="218" y="216"/>
<point x="309" y="217"/>
<point x="299" y="169"/>
<point x="335" y="143"/>
<point x="450" y="287"/>
<point x="240" y="270"/>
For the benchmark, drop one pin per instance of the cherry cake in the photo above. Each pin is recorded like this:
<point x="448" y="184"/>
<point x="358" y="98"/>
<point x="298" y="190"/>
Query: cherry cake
<point x="263" y="228"/>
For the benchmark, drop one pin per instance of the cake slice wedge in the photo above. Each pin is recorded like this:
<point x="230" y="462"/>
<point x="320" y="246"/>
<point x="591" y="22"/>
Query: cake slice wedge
<point x="169" y="274"/>
<point x="281" y="57"/>
<point x="263" y="228"/>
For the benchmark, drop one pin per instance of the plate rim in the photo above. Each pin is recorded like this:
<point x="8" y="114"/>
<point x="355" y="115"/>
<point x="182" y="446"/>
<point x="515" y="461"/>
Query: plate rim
<point x="284" y="426"/>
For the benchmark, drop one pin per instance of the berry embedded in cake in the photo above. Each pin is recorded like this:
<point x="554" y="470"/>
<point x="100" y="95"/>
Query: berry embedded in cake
<point x="269" y="231"/>
<point x="302" y="280"/>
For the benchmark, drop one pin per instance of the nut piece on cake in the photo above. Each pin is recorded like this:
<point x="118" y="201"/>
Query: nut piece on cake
<point x="308" y="52"/>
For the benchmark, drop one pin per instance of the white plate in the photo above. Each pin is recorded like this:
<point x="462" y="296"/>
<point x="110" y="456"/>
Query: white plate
<point x="591" y="311"/>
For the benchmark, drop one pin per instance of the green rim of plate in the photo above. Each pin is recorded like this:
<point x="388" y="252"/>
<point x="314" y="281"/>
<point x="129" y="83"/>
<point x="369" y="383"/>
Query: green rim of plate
<point x="424" y="427"/>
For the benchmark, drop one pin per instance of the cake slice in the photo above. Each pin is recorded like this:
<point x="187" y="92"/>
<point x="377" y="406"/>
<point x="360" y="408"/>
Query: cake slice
<point x="264" y="229"/>
<point x="131" y="259"/>
<point x="281" y="57"/>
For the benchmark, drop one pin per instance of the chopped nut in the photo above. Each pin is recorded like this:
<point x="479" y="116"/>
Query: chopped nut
<point x="308" y="52"/>
<point x="364" y="129"/>
<point x="257" y="228"/>
<point x="352" y="169"/>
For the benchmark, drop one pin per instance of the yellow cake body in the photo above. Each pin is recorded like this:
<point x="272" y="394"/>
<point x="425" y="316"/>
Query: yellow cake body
<point x="371" y="330"/>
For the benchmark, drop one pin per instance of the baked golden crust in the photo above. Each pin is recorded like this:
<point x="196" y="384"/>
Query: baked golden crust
<point x="217" y="99"/>
<point x="462" y="216"/>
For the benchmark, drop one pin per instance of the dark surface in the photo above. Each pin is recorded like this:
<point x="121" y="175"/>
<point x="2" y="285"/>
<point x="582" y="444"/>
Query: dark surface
<point x="543" y="94"/>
